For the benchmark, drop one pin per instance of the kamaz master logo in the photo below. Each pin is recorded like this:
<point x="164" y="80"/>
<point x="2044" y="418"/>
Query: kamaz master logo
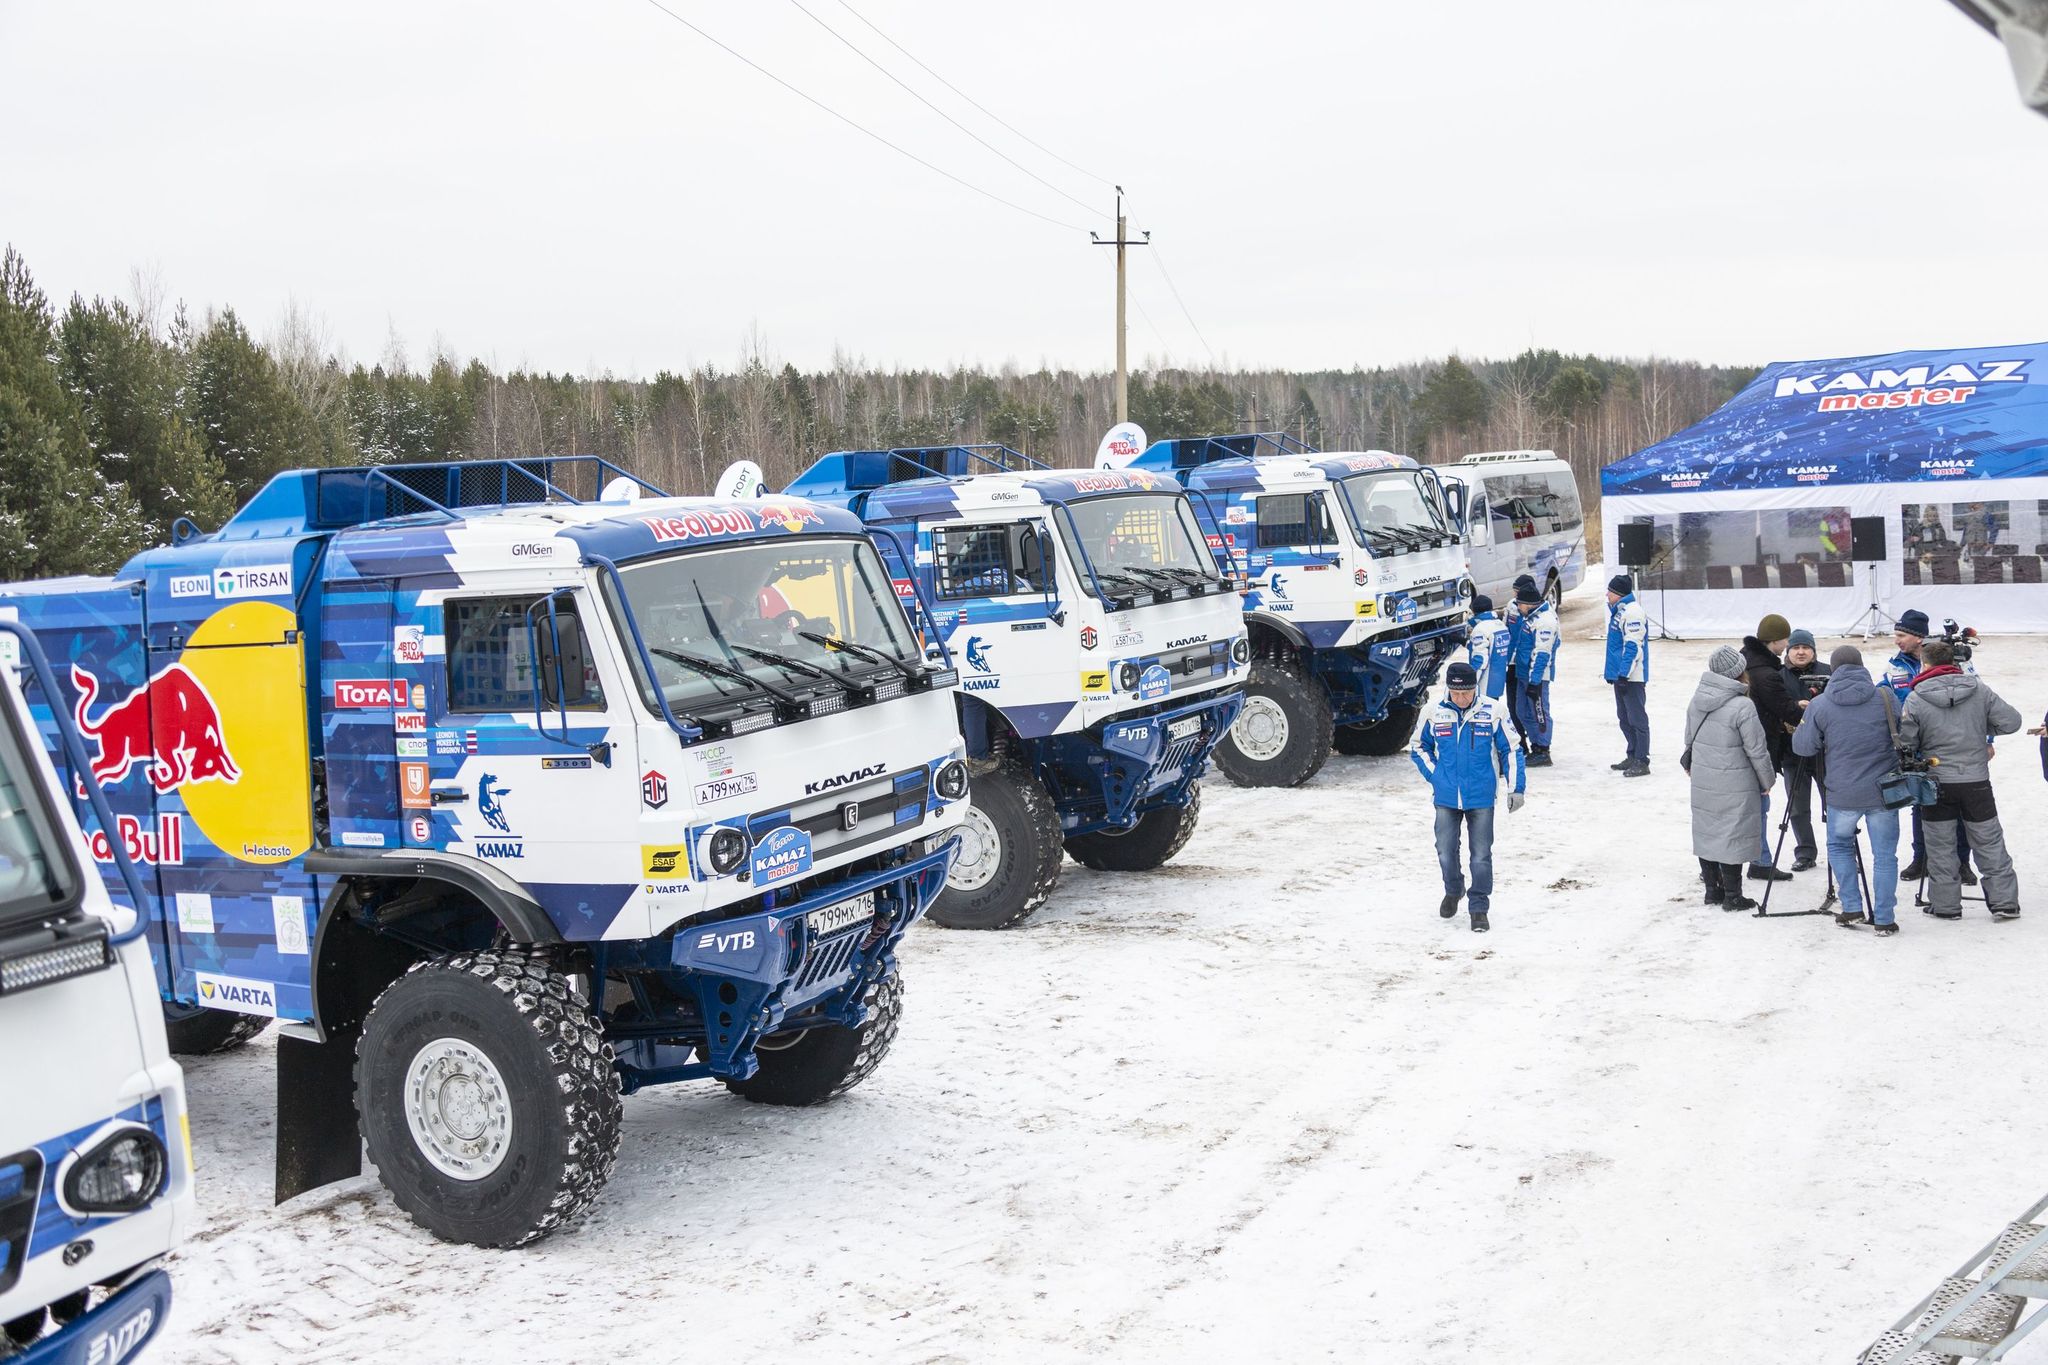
<point x="844" y="779"/>
<point x="1912" y="387"/>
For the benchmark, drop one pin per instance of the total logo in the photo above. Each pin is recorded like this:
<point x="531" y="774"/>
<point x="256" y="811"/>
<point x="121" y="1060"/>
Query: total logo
<point x="368" y="694"/>
<point x="237" y="993"/>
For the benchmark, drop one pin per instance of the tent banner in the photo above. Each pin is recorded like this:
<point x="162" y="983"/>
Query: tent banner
<point x="1907" y="417"/>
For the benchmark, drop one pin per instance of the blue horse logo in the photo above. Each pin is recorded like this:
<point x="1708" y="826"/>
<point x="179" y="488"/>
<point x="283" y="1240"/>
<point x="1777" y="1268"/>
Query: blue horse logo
<point x="1277" y="587"/>
<point x="487" y="793"/>
<point x="977" y="655"/>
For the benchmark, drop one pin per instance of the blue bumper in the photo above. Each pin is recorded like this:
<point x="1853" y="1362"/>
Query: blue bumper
<point x="1393" y="670"/>
<point x="1107" y="778"/>
<point x="804" y="964"/>
<point x="113" y="1333"/>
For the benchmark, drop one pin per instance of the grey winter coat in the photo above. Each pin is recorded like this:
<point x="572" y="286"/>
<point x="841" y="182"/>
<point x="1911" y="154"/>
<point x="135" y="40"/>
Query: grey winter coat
<point x="1845" y="727"/>
<point x="1948" y="717"/>
<point x="1731" y="769"/>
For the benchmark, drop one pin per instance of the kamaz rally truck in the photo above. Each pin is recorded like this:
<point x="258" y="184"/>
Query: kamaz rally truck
<point x="95" y="1159"/>
<point x="1358" y="593"/>
<point x="1102" y="649"/>
<point x="508" y="802"/>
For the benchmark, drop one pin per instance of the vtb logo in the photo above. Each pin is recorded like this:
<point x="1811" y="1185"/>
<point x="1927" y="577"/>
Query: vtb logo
<point x="169" y="725"/>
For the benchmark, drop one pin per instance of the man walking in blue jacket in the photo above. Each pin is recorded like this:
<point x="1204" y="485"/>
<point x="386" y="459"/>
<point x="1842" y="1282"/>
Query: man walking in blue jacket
<point x="1463" y="747"/>
<point x="1628" y="672"/>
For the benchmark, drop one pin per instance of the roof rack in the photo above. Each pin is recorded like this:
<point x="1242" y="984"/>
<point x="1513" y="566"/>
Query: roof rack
<point x="1190" y="452"/>
<point x="1507" y="456"/>
<point x="845" y="472"/>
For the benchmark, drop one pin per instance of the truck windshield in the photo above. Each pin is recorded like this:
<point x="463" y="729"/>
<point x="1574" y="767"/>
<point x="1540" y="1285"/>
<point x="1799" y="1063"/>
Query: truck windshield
<point x="727" y="623"/>
<point x="1148" y="539"/>
<point x="1393" y="506"/>
<point x="36" y="877"/>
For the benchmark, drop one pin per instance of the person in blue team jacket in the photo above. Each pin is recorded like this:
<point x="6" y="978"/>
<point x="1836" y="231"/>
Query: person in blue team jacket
<point x="1463" y="747"/>
<point x="1628" y="672"/>
<point x="1488" y="646"/>
<point x="1535" y="663"/>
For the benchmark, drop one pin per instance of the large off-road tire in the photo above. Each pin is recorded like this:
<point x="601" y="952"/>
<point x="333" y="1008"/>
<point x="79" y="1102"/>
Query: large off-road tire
<point x="487" y="1097"/>
<point x="1009" y="853"/>
<point x="816" y="1064"/>
<point x="1159" y="834"/>
<point x="1377" y="739"/>
<point x="195" y="1031"/>
<point x="1282" y="736"/>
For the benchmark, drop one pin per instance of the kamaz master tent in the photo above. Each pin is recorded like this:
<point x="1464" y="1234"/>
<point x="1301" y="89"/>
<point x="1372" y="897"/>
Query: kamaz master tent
<point x="1750" y="509"/>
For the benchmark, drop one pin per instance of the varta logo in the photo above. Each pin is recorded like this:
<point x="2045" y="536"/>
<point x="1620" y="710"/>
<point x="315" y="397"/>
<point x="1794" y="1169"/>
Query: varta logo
<point x="857" y="775"/>
<point x="977" y="655"/>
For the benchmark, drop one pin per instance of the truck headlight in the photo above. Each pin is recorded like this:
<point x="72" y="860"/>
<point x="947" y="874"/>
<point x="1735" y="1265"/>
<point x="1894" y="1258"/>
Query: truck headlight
<point x="722" y="849"/>
<point x="1127" y="676"/>
<point x="951" y="781"/>
<point x="1241" y="650"/>
<point x="120" y="1174"/>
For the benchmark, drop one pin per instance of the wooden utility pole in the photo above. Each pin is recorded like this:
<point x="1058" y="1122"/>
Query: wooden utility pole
<point x="1123" y="375"/>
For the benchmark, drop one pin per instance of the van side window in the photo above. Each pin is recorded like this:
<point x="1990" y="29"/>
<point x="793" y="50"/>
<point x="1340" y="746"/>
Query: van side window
<point x="988" y="561"/>
<point x="1564" y="494"/>
<point x="490" y="655"/>
<point x="1294" y="519"/>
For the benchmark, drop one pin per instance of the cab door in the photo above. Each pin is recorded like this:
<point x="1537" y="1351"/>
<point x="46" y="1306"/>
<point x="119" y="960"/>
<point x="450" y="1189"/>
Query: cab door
<point x="525" y="756"/>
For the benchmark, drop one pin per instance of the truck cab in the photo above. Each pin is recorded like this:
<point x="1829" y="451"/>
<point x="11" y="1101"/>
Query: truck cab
<point x="95" y="1155"/>
<point x="1100" y="647"/>
<point x="436" y="740"/>
<point x="1357" y="593"/>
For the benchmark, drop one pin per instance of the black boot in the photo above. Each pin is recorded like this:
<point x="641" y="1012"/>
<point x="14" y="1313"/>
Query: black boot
<point x="1710" y="877"/>
<point x="1731" y="888"/>
<point x="1913" y="871"/>
<point x="1448" y="906"/>
<point x="1764" y="872"/>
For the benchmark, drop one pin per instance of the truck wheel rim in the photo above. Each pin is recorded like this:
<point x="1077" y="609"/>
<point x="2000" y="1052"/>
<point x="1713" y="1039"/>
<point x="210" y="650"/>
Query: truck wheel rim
<point x="458" y="1109"/>
<point x="981" y="852"/>
<point x="1261" y="730"/>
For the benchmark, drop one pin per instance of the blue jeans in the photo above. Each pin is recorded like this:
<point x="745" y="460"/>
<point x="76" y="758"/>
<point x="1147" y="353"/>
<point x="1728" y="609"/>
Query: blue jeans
<point x="1449" y="822"/>
<point x="1884" y="859"/>
<point x="1764" y="858"/>
<point x="1634" y="718"/>
<point x="1532" y="714"/>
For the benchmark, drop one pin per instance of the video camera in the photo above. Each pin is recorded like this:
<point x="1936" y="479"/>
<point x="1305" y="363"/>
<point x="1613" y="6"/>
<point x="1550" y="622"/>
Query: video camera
<point x="1813" y="683"/>
<point x="1962" y="640"/>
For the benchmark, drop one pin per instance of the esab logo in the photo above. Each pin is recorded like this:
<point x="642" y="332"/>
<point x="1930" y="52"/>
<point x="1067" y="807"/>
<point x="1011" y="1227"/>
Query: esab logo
<point x="236" y="993"/>
<point x="1368" y="608"/>
<point x="857" y="775"/>
<point x="1095" y="682"/>
<point x="662" y="861"/>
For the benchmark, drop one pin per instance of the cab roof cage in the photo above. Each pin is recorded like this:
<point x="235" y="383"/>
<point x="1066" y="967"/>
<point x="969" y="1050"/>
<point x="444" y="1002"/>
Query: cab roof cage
<point x="1191" y="452"/>
<point x="302" y="500"/>
<point x="858" y="471"/>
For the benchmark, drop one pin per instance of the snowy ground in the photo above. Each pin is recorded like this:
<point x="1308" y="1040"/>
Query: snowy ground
<point x="1265" y="1104"/>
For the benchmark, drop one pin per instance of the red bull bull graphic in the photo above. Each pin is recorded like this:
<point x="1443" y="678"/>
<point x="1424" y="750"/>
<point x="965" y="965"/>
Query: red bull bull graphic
<point x="169" y="726"/>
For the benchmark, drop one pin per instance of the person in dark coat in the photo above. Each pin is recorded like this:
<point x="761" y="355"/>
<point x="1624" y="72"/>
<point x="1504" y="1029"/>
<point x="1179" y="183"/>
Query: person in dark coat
<point x="1808" y="676"/>
<point x="1730" y="765"/>
<point x="1772" y="689"/>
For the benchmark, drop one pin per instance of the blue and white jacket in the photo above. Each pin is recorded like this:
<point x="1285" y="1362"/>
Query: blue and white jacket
<point x="1536" y="646"/>
<point x="1487" y="645"/>
<point x="1903" y="668"/>
<point x="1465" y="753"/>
<point x="1628" y="642"/>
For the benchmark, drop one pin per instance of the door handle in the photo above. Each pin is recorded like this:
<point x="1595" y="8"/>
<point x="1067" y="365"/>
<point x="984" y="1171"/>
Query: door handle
<point x="447" y="796"/>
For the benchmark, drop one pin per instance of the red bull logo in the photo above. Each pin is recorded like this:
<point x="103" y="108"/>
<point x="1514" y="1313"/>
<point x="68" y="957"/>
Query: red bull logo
<point x="169" y="726"/>
<point x="730" y="521"/>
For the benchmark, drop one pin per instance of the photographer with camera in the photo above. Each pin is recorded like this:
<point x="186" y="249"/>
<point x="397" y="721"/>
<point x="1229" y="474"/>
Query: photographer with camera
<point x="1847" y="735"/>
<point x="1949" y="719"/>
<point x="1809" y="677"/>
<point x="1910" y="633"/>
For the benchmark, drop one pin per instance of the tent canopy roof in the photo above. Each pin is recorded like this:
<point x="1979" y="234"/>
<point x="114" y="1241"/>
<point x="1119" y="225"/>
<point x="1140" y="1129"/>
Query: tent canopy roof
<point x="1900" y="418"/>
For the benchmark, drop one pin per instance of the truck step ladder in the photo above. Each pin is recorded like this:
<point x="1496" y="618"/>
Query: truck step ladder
<point x="1980" y="1312"/>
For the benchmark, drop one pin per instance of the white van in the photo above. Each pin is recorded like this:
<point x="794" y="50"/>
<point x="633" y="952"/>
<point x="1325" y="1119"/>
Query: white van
<point x="1522" y="516"/>
<point x="95" y="1158"/>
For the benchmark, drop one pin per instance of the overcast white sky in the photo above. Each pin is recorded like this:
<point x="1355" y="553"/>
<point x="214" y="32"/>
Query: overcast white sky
<point x="587" y="185"/>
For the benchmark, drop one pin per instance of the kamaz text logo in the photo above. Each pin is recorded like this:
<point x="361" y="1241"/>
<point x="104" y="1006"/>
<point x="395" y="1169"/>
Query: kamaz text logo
<point x="1911" y="387"/>
<point x="829" y="783"/>
<point x="1949" y="467"/>
<point x="501" y="848"/>
<point x="1190" y="640"/>
<point x="1811" y="473"/>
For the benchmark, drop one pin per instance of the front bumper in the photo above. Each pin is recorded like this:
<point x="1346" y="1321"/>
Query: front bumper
<point x="1364" y="680"/>
<point x="117" y="1330"/>
<point x="1106" y="776"/>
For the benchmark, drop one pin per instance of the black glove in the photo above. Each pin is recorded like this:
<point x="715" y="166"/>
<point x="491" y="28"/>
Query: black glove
<point x="1534" y="691"/>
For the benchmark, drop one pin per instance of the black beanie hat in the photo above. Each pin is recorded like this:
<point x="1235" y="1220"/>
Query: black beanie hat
<point x="1527" y="592"/>
<point x="1620" y="585"/>
<point x="1481" y="604"/>
<point x="1526" y="581"/>
<point x="1460" y="675"/>
<point x="1914" y="623"/>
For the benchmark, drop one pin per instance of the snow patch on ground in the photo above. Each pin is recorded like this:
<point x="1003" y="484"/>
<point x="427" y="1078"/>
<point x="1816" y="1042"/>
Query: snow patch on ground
<point x="1265" y="1103"/>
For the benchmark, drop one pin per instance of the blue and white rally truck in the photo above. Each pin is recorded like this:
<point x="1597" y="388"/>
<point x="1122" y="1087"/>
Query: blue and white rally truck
<point x="507" y="801"/>
<point x="1358" y="593"/>
<point x="95" y="1155"/>
<point x="1102" y="647"/>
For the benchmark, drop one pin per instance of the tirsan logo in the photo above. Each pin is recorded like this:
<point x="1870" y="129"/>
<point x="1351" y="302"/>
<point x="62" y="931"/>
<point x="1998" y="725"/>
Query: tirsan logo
<point x="253" y="580"/>
<point x="1812" y="473"/>
<point x="367" y="693"/>
<point x="1949" y="467"/>
<point x="236" y="993"/>
<point x="1912" y="377"/>
<point x="169" y="726"/>
<point x="857" y="775"/>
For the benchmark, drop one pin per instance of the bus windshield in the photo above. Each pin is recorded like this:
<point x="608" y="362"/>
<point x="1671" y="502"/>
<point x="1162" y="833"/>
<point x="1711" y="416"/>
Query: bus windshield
<point x="1393" y="504"/>
<point x="728" y="623"/>
<point x="1144" y="540"/>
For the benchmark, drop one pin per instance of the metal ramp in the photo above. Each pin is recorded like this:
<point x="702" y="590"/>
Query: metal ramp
<point x="1979" y="1312"/>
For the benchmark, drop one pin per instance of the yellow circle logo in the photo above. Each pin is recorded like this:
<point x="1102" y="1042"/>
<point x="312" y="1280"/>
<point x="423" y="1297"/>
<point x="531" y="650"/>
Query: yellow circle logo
<point x="252" y="668"/>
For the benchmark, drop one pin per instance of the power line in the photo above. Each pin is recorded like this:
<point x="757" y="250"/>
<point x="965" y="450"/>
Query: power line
<point x="970" y="99"/>
<point x="813" y="100"/>
<point x="1160" y="261"/>
<point x="940" y="112"/>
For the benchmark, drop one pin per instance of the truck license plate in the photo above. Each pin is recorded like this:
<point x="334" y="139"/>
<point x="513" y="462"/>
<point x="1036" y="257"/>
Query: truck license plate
<point x="1184" y="727"/>
<point x="844" y="915"/>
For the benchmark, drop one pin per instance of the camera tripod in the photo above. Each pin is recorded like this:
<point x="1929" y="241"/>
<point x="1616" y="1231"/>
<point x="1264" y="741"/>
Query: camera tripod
<point x="1830" y="900"/>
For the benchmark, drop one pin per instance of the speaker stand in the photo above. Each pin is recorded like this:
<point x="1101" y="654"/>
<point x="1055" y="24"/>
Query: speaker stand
<point x="1873" y="621"/>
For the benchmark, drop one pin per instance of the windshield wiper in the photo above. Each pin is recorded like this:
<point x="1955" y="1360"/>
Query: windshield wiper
<point x="799" y="666"/>
<point x="907" y="669"/>
<point x="1153" y="575"/>
<point x="1401" y="536"/>
<point x="713" y="668"/>
<point x="1122" y="575"/>
<point x="1432" y="535"/>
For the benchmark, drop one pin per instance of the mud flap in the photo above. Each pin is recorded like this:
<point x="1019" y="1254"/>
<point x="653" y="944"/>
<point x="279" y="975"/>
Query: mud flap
<point x="318" y="1138"/>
